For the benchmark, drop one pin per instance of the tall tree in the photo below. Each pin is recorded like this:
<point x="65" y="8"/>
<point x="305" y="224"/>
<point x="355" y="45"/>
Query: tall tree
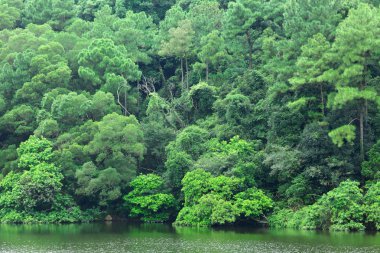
<point x="240" y="19"/>
<point x="179" y="45"/>
<point x="56" y="13"/>
<point x="310" y="66"/>
<point x="118" y="144"/>
<point x="248" y="19"/>
<point x="213" y="51"/>
<point x="10" y="13"/>
<point x="353" y="56"/>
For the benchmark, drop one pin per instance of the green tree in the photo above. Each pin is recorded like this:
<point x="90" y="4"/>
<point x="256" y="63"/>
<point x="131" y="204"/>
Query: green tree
<point x="172" y="17"/>
<point x="154" y="9"/>
<point x="135" y="31"/>
<point x="219" y="200"/>
<point x="245" y="20"/>
<point x="205" y="17"/>
<point x="118" y="144"/>
<point x="236" y="157"/>
<point x="191" y="141"/>
<point x="340" y="209"/>
<point x="19" y="121"/>
<point x="15" y="73"/>
<point x="37" y="188"/>
<point x="195" y="184"/>
<point x="233" y="110"/>
<point x="283" y="161"/>
<point x="159" y="127"/>
<point x="35" y="194"/>
<point x="253" y="204"/>
<point x="179" y="44"/>
<point x="302" y="20"/>
<point x="203" y="97"/>
<point x="56" y="13"/>
<point x="88" y="8"/>
<point x="310" y="66"/>
<point x="107" y="66"/>
<point x="101" y="186"/>
<point x="147" y="200"/>
<point x="372" y="205"/>
<point x="8" y="159"/>
<point x="49" y="69"/>
<point x="104" y="58"/>
<point x="240" y="20"/>
<point x="33" y="152"/>
<point x="176" y="165"/>
<point x="353" y="68"/>
<point x="371" y="167"/>
<point x="70" y="109"/>
<point x="10" y="13"/>
<point x="212" y="52"/>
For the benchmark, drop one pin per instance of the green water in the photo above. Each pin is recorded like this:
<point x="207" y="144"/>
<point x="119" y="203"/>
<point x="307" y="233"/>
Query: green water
<point x="164" y="238"/>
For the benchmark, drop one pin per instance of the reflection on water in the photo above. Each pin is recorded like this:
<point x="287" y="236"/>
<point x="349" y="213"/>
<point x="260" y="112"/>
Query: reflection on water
<point x="122" y="237"/>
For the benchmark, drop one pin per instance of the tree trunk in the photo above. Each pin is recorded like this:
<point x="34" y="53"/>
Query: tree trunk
<point x="125" y="101"/>
<point x="322" y="100"/>
<point x="362" y="152"/>
<point x="187" y="74"/>
<point x="250" y="45"/>
<point x="162" y="74"/>
<point x="123" y="105"/>
<point x="183" y="77"/>
<point x="207" y="72"/>
<point x="363" y="106"/>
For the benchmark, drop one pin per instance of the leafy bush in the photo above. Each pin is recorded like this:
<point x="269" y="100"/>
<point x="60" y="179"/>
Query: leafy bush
<point x="341" y="209"/>
<point x="147" y="201"/>
<point x="371" y="167"/>
<point x="219" y="200"/>
<point x="372" y="206"/>
<point x="35" y="194"/>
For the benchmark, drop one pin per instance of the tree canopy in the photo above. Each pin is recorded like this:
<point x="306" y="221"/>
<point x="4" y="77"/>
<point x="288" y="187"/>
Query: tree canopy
<point x="201" y="113"/>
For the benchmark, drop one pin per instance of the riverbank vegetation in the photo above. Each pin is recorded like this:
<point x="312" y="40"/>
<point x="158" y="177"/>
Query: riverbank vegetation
<point x="197" y="112"/>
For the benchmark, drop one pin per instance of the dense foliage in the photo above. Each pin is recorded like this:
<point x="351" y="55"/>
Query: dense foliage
<point x="344" y="208"/>
<point x="146" y="201"/>
<point x="219" y="200"/>
<point x="202" y="112"/>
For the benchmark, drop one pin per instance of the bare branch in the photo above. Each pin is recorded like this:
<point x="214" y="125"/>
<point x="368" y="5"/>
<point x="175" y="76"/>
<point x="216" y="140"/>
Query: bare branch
<point x="119" y="90"/>
<point x="147" y="85"/>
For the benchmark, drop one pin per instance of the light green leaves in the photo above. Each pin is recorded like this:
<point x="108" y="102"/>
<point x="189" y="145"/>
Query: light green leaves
<point x="33" y="152"/>
<point x="252" y="203"/>
<point x="344" y="133"/>
<point x="349" y="94"/>
<point x="341" y="209"/>
<point x="10" y="13"/>
<point x="219" y="200"/>
<point x="147" y="201"/>
<point x="372" y="205"/>
<point x="36" y="187"/>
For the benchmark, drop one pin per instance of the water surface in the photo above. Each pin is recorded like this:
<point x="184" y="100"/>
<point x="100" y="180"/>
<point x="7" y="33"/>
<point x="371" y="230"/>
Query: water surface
<point x="123" y="237"/>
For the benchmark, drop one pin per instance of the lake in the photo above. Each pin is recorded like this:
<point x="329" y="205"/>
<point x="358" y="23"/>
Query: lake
<point x="123" y="237"/>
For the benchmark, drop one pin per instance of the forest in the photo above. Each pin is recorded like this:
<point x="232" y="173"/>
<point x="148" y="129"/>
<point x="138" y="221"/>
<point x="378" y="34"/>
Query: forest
<point x="193" y="112"/>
